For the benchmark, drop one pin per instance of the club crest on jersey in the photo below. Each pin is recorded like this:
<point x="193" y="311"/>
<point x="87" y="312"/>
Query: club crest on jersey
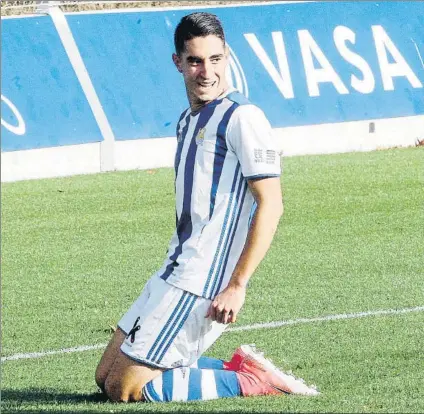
<point x="200" y="136"/>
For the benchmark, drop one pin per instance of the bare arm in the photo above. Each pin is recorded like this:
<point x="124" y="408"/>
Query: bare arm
<point x="267" y="194"/>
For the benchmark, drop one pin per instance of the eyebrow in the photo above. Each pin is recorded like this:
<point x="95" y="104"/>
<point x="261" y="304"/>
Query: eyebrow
<point x="194" y="58"/>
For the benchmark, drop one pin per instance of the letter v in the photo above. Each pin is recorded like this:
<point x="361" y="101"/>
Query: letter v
<point x="282" y="77"/>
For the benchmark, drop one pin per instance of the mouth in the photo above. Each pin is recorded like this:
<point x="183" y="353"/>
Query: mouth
<point x="206" y="85"/>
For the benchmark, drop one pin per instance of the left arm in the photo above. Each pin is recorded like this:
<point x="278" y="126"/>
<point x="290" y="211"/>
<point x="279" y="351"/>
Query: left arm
<point x="267" y="194"/>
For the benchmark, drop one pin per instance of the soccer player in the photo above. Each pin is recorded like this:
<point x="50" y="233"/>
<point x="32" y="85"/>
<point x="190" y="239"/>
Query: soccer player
<point x="228" y="205"/>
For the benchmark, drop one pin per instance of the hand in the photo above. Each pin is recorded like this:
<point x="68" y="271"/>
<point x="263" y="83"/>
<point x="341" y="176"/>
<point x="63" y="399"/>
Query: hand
<point x="226" y="306"/>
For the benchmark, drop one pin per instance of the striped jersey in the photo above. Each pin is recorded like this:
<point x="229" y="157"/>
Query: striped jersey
<point x="220" y="147"/>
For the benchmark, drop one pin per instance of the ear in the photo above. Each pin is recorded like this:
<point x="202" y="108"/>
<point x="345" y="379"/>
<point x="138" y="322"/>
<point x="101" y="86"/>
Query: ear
<point x="177" y="62"/>
<point x="227" y="51"/>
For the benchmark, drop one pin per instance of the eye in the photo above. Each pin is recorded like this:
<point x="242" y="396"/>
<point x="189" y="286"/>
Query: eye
<point x="194" y="62"/>
<point x="216" y="60"/>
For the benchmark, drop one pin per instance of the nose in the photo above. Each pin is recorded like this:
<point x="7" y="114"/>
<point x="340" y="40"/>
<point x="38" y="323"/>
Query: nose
<point x="207" y="70"/>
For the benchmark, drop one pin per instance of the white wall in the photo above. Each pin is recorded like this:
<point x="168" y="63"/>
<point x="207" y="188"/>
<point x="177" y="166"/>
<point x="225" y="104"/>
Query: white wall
<point x="159" y="152"/>
<point x="50" y="162"/>
<point x="352" y="136"/>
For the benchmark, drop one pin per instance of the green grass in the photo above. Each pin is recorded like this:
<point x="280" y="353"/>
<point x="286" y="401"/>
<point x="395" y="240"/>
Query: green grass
<point x="77" y="251"/>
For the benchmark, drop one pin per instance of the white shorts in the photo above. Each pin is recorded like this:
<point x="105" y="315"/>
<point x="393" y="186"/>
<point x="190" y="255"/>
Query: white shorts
<point x="166" y="326"/>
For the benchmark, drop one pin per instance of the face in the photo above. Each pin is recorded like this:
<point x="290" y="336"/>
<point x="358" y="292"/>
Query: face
<point x="203" y="64"/>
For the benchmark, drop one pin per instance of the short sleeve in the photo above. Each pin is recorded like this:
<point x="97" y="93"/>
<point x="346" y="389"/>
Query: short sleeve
<point x="250" y="136"/>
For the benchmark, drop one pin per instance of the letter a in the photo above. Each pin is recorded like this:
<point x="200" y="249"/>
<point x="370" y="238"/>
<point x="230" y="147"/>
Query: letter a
<point x="384" y="44"/>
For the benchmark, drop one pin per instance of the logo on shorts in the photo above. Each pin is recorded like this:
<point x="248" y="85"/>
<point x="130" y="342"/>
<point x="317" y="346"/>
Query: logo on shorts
<point x="133" y="331"/>
<point x="178" y="364"/>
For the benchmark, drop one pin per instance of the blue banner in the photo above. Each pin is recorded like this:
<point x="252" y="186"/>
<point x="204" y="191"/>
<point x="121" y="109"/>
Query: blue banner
<point x="303" y="63"/>
<point x="42" y="103"/>
<point x="128" y="56"/>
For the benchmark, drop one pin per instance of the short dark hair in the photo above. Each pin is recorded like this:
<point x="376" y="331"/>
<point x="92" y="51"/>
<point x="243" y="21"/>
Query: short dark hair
<point x="199" y="24"/>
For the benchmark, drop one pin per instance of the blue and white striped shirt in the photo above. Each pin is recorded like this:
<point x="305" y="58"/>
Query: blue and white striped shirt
<point x="219" y="148"/>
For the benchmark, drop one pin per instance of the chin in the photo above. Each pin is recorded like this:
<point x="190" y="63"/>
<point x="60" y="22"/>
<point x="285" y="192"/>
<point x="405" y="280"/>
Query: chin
<point x="209" y="96"/>
<point x="205" y="98"/>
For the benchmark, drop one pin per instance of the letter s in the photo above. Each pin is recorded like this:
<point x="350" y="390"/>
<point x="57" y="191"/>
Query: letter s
<point x="341" y="35"/>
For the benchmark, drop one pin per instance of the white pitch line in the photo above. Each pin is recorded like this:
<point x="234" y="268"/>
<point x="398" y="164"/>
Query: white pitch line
<point x="33" y="355"/>
<point x="268" y="325"/>
<point x="326" y="318"/>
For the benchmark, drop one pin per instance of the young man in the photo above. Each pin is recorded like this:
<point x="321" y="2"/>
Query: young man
<point x="228" y="205"/>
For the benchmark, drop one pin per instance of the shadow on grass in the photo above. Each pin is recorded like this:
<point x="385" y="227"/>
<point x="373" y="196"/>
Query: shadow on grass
<point x="48" y="397"/>
<point x="38" y="400"/>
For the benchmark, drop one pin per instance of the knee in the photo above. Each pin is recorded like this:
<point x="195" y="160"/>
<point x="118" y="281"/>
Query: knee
<point x="100" y="377"/>
<point x="116" y="391"/>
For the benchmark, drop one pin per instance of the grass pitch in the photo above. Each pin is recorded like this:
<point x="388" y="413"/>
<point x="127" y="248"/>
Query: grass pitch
<point x="77" y="251"/>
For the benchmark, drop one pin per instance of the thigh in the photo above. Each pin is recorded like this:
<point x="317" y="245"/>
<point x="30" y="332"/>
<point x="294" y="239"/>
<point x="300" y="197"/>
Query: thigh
<point x="186" y="334"/>
<point x="168" y="328"/>
<point x="211" y="331"/>
<point x="127" y="378"/>
<point x="124" y="326"/>
<point x="152" y="326"/>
